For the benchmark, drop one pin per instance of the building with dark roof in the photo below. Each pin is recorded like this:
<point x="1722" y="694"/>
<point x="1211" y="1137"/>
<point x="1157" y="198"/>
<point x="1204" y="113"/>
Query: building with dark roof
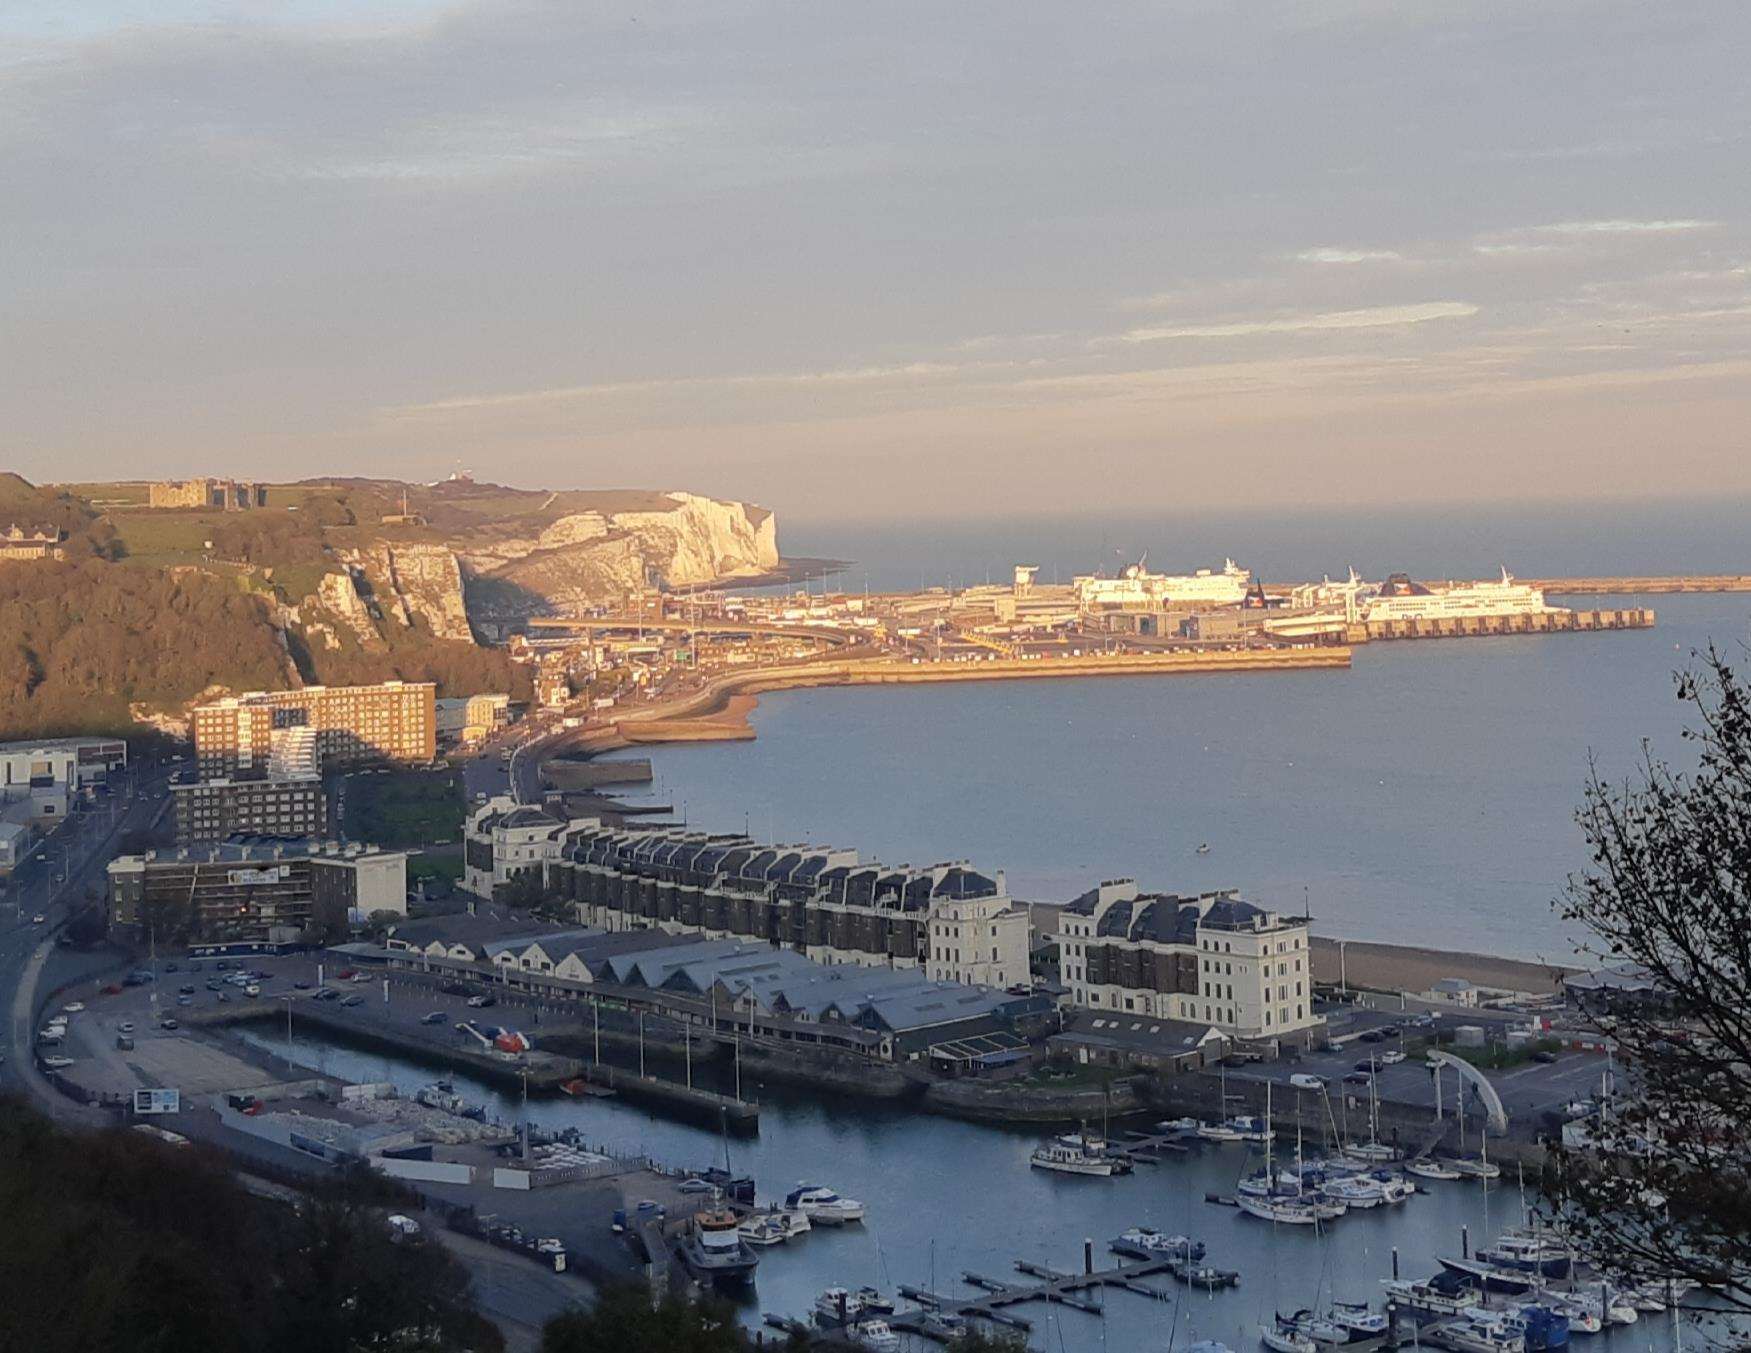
<point x="956" y="922"/>
<point x="1213" y="960"/>
<point x="504" y="840"/>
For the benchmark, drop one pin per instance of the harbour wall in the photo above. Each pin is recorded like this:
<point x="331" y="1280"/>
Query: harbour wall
<point x="1478" y="626"/>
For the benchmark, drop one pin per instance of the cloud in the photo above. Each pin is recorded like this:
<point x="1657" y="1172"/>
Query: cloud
<point x="1348" y="256"/>
<point x="1667" y="227"/>
<point x="1375" y="318"/>
<point x="838" y="376"/>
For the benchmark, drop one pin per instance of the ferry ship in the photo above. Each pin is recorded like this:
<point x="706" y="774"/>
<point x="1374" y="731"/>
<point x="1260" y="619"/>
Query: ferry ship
<point x="1137" y="588"/>
<point x="1401" y="599"/>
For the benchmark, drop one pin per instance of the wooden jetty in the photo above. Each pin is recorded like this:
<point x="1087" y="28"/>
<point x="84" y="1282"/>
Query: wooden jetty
<point x="1050" y="1285"/>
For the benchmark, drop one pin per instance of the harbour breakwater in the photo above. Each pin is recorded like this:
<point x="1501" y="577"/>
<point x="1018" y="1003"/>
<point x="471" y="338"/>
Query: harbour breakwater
<point x="719" y="711"/>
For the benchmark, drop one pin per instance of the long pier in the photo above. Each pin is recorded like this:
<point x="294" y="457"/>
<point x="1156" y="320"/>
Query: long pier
<point x="1650" y="584"/>
<point x="938" y="1316"/>
<point x="1475" y="626"/>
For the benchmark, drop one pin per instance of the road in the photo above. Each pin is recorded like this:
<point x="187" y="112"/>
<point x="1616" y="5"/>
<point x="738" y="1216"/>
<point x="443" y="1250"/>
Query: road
<point x="63" y="869"/>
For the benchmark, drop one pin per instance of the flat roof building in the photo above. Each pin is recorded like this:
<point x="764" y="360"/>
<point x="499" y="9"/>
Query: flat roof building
<point x="393" y="722"/>
<point x="267" y="892"/>
<point x="212" y="810"/>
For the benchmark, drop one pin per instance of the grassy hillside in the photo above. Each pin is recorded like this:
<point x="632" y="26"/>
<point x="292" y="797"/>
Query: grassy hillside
<point x="151" y="608"/>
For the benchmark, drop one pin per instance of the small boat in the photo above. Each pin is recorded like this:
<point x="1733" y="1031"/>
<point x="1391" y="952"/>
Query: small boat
<point x="875" y="1302"/>
<point x="766" y="1229"/>
<point x="822" y="1206"/>
<point x="1286" y="1339"/>
<point x="1242" y="1128"/>
<point x="1145" y="1242"/>
<point x="1473" y="1168"/>
<point x="876" y="1335"/>
<point x="1510" y="1281"/>
<point x="1355" y="1191"/>
<point x="1168" y="1126"/>
<point x="1480" y="1331"/>
<point x="794" y="1220"/>
<point x="713" y="1249"/>
<point x="1203" y="848"/>
<point x="1543" y="1328"/>
<point x="1432" y="1169"/>
<point x="1395" y="1188"/>
<point x="1529" y="1254"/>
<point x="838" y="1307"/>
<point x="1062" y="1159"/>
<point x="577" y="1087"/>
<point x="1372" y="1152"/>
<point x="1360" y="1319"/>
<point x="1288" y="1210"/>
<point x="1581" y="1319"/>
<point x="1445" y="1294"/>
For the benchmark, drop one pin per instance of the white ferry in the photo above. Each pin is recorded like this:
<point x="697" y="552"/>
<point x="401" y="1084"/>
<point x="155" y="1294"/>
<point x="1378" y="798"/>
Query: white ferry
<point x="1136" y="587"/>
<point x="1401" y="599"/>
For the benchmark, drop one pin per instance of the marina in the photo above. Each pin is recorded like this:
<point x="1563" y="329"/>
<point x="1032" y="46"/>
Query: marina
<point x="996" y="1233"/>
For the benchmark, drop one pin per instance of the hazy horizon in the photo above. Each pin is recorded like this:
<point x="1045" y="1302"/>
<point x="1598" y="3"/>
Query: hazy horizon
<point x="954" y="262"/>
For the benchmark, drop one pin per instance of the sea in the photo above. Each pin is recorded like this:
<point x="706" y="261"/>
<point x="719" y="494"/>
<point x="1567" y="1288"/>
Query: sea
<point x="1425" y="796"/>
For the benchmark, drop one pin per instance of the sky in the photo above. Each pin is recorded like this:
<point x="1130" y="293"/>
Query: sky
<point x="858" y="260"/>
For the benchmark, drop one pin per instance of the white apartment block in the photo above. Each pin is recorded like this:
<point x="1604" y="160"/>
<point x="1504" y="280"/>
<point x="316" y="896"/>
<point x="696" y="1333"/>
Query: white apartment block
<point x="1212" y="959"/>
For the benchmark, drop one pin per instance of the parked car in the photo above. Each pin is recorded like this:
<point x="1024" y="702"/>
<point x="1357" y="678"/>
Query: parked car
<point x="111" y="989"/>
<point x="354" y="999"/>
<point x="252" y="990"/>
<point x="72" y="1007"/>
<point x="186" y="989"/>
<point x="482" y="1001"/>
<point x="301" y="985"/>
<point x="124" y="1042"/>
<point x="185" y="1000"/>
<point x="695" y="1186"/>
<point x="1366" y="1067"/>
<point x="326" y="994"/>
<point x="1374" y="1036"/>
<point x="38" y="919"/>
<point x="125" y="1027"/>
<point x="1358" y="1078"/>
<point x="1301" y="1080"/>
<point x="170" y="967"/>
<point x="1544" y="1055"/>
<point x="1392" y="1058"/>
<point x="167" y="1023"/>
<point x="435" y="1017"/>
<point x="347" y="974"/>
<point x="1390" y="1031"/>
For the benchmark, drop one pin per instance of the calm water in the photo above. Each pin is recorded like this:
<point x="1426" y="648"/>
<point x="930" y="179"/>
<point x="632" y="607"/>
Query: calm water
<point x="945" y="1198"/>
<point x="1425" y="796"/>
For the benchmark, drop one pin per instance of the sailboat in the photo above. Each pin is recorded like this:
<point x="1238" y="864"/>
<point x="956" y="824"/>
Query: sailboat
<point x="1482" y="1167"/>
<point x="1273" y="1206"/>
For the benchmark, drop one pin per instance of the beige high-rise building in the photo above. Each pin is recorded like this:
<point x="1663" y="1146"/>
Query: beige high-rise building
<point x="395" y="722"/>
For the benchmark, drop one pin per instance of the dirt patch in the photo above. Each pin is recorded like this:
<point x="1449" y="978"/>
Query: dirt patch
<point x="1395" y="967"/>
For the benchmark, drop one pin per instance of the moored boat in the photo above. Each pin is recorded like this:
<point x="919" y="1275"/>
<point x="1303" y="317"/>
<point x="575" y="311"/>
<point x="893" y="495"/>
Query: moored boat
<point x="713" y="1249"/>
<point x="822" y="1206"/>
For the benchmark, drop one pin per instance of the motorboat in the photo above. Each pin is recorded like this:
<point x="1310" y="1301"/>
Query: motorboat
<point x="1394" y="1187"/>
<point x="1481" y="1331"/>
<point x="876" y="1335"/>
<point x="838" y="1307"/>
<point x="1241" y="1128"/>
<point x="1360" y="1319"/>
<point x="1510" y="1281"/>
<point x="1145" y="1242"/>
<point x="1325" y="1331"/>
<point x="794" y="1220"/>
<point x="1062" y="1159"/>
<point x="1445" y="1294"/>
<point x="822" y="1206"/>
<point x="1167" y="1126"/>
<point x="1543" y="1327"/>
<point x="1582" y="1319"/>
<point x="713" y="1250"/>
<point x="765" y="1229"/>
<point x="1542" y="1255"/>
<point x="1374" y="1153"/>
<point x="1432" y="1169"/>
<point x="1477" y="1168"/>
<point x="1354" y="1191"/>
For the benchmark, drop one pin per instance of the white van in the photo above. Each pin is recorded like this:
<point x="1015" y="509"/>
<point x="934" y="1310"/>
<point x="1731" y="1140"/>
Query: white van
<point x="1302" y="1081"/>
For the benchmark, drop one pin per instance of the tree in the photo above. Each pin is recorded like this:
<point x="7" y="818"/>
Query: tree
<point x="624" y="1321"/>
<point x="1665" y="1191"/>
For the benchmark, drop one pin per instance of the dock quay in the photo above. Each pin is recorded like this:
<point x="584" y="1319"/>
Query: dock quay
<point x="1646" y="585"/>
<point x="1049" y="1285"/>
<point x="1480" y="626"/>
